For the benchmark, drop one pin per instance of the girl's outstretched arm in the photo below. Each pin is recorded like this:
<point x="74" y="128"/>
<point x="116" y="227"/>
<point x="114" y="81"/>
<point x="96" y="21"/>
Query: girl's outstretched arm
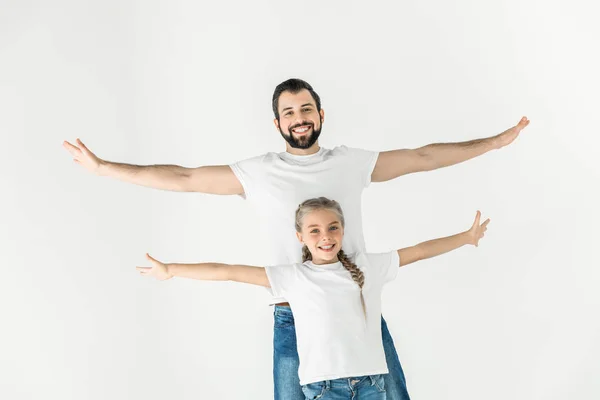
<point x="443" y="245"/>
<point x="206" y="272"/>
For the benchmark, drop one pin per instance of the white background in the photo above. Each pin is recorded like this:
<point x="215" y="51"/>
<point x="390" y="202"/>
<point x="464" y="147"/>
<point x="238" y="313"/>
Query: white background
<point x="190" y="83"/>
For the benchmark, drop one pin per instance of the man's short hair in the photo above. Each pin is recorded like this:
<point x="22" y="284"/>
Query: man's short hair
<point x="294" y="86"/>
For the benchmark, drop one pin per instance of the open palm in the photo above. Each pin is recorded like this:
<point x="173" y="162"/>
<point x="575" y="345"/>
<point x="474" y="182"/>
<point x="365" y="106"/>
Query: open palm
<point x="509" y="135"/>
<point x="83" y="156"/>
<point x="477" y="231"/>
<point x="158" y="270"/>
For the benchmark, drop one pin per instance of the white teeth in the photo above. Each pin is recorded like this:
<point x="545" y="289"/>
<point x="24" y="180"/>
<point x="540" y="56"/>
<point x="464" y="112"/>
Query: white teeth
<point x="300" y="130"/>
<point x="326" y="247"/>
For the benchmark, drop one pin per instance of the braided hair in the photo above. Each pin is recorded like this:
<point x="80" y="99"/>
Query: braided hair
<point x="323" y="203"/>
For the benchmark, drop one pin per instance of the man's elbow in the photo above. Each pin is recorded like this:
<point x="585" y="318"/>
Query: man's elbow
<point x="424" y="160"/>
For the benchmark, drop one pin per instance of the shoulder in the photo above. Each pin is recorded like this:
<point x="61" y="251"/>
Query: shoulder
<point x="340" y="150"/>
<point x="281" y="272"/>
<point x="254" y="159"/>
<point x="255" y="163"/>
<point x="353" y="152"/>
<point x="379" y="259"/>
<point x="285" y="268"/>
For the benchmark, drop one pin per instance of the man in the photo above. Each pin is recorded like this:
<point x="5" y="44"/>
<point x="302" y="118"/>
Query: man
<point x="275" y="183"/>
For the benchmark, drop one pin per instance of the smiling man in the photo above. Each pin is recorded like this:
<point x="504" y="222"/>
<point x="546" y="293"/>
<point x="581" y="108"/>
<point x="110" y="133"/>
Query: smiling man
<point x="299" y="114"/>
<point x="275" y="183"/>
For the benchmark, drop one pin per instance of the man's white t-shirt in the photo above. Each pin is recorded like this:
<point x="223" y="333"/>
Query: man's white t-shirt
<point x="334" y="339"/>
<point x="276" y="184"/>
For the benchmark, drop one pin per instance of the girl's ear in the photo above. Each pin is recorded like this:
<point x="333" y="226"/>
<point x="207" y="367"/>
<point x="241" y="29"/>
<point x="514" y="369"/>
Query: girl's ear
<point x="299" y="236"/>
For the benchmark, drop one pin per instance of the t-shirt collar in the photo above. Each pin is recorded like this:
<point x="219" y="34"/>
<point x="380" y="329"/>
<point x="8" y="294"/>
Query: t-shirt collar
<point x="301" y="158"/>
<point x="329" y="267"/>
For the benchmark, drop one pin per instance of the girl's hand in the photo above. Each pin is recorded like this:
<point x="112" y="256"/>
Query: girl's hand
<point x="158" y="269"/>
<point x="477" y="231"/>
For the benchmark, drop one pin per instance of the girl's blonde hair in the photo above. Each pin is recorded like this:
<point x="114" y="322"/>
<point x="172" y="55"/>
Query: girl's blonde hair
<point x="323" y="203"/>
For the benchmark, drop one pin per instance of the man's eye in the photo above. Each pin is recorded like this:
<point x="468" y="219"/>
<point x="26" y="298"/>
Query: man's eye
<point x="288" y="113"/>
<point x="306" y="110"/>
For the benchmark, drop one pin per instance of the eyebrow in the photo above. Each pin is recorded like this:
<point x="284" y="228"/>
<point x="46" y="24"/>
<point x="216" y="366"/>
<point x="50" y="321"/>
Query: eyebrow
<point x="303" y="105"/>
<point x="331" y="223"/>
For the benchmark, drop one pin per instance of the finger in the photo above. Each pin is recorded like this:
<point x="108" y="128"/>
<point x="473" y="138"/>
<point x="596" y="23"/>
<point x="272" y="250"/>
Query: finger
<point x="143" y="269"/>
<point x="74" y="150"/>
<point x="484" y="225"/>
<point x="523" y="122"/>
<point x="149" y="257"/>
<point x="83" y="147"/>
<point x="477" y="218"/>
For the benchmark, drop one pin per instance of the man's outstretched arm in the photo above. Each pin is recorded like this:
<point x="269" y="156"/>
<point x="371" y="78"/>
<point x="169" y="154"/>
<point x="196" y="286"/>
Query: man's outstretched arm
<point x="394" y="163"/>
<point x="214" y="179"/>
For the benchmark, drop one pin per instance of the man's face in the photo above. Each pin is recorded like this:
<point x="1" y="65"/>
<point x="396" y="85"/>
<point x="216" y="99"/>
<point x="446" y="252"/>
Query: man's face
<point x="299" y="121"/>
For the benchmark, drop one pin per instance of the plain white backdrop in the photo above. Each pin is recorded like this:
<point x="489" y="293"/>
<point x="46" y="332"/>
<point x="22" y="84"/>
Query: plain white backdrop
<point x="190" y="83"/>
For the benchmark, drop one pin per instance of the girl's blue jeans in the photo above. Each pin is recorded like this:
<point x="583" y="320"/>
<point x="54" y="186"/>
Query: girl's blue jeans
<point x="363" y="387"/>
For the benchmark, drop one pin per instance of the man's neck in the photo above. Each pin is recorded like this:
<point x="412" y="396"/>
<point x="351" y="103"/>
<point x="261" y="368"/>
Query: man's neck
<point x="302" y="152"/>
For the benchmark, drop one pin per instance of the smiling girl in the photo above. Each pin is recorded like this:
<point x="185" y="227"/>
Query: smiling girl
<point x="335" y="298"/>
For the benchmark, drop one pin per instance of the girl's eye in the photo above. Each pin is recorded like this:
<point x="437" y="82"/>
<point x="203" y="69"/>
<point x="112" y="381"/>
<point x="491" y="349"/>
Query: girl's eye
<point x="333" y="228"/>
<point x="314" y="231"/>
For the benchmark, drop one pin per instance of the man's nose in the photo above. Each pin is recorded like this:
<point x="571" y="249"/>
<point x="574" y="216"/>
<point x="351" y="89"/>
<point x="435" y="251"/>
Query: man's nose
<point x="299" y="121"/>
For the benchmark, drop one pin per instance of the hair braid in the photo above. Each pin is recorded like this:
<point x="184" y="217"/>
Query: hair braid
<point x="357" y="276"/>
<point x="306" y="255"/>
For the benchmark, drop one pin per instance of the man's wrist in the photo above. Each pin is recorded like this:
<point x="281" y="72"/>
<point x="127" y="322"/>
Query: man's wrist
<point x="493" y="143"/>
<point x="102" y="169"/>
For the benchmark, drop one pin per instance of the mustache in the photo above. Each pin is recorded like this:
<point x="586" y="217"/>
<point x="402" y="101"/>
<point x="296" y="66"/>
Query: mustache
<point x="301" y="124"/>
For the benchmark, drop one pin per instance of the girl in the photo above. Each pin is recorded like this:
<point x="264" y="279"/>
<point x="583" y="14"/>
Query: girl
<point x="335" y="299"/>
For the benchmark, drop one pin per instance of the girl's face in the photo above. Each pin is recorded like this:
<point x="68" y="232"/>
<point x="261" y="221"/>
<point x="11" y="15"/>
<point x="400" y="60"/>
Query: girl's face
<point x="322" y="233"/>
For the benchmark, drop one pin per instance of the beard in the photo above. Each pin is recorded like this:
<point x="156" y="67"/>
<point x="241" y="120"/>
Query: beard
<point x="303" y="142"/>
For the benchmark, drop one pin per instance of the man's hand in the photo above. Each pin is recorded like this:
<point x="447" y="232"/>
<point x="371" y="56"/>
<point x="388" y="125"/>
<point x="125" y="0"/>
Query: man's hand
<point x="508" y="136"/>
<point x="83" y="156"/>
<point x="477" y="231"/>
<point x="158" y="269"/>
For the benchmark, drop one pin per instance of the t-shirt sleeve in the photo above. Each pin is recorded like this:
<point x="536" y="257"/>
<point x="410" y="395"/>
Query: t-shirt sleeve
<point x="248" y="172"/>
<point x="280" y="277"/>
<point x="364" y="161"/>
<point x="384" y="265"/>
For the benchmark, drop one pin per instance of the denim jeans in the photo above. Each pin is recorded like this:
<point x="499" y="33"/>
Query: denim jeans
<point x="362" y="387"/>
<point x="285" y="360"/>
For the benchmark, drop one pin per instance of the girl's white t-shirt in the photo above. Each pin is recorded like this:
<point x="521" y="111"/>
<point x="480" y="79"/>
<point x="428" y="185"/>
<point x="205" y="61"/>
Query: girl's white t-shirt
<point x="334" y="338"/>
<point x="276" y="183"/>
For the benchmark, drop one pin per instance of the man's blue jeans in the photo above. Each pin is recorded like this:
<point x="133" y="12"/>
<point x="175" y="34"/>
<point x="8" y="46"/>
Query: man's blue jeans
<point x="285" y="360"/>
